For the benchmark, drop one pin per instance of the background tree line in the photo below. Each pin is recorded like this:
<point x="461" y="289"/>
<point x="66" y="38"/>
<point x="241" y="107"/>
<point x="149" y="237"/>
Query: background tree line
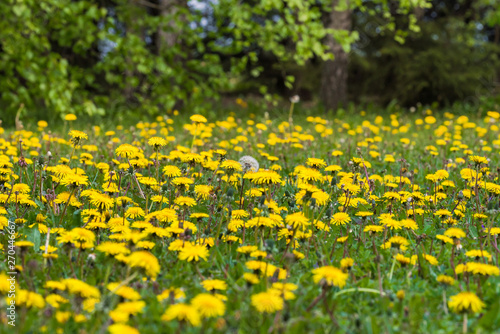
<point x="102" y="56"/>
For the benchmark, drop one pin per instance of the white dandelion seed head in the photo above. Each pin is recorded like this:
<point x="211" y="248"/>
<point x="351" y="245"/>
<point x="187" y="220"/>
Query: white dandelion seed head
<point x="248" y="163"/>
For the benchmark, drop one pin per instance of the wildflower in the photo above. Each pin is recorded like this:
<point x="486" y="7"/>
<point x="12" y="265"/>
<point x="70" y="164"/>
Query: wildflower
<point x="146" y="261"/>
<point x="392" y="224"/>
<point x="455" y="233"/>
<point x="208" y="305"/>
<point x="182" y="181"/>
<point x="340" y="218"/>
<point x="77" y="137"/>
<point x="55" y="285"/>
<point x="23" y="243"/>
<point x="198" y="215"/>
<point x="285" y="290"/>
<point x="390" y="195"/>
<point x="247" y="249"/>
<point x="331" y="275"/>
<point x="309" y="174"/>
<point x="478" y="253"/>
<point x="361" y="162"/>
<point x="77" y="287"/>
<point x="465" y="302"/>
<point x="442" y="213"/>
<point x="198" y="119"/>
<point x="182" y="312"/>
<point x="193" y="253"/>
<point x="171" y="171"/>
<point x="56" y="300"/>
<point x="373" y="228"/>
<point x="267" y="302"/>
<point x="333" y="168"/>
<point x="342" y="239"/>
<point x="402" y="259"/>
<point x="409" y="224"/>
<point x="183" y="200"/>
<point x="399" y="240"/>
<point x="446" y="280"/>
<point x="346" y="263"/>
<point x="251" y="278"/>
<point x="316" y="163"/>
<point x="214" y="284"/>
<point x="175" y="293"/>
<point x="119" y="328"/>
<point x="82" y="238"/>
<point x="123" y="291"/>
<point x="74" y="180"/>
<point x="27" y="298"/>
<point x="126" y="151"/>
<point x="364" y="214"/>
<point x="125" y="309"/>
<point x="482" y="269"/>
<point x="101" y="201"/>
<point x="297" y="220"/>
<point x="444" y="239"/>
<point x="478" y="159"/>
<point x="249" y="164"/>
<point x="264" y="177"/>
<point x="112" y="248"/>
<point x="202" y="191"/>
<point x="494" y="231"/>
<point x="431" y="259"/>
<point x="157" y="142"/>
<point x="231" y="166"/>
<point x="134" y="212"/>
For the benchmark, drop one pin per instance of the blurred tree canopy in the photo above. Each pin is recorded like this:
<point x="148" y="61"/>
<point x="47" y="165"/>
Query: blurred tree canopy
<point x="453" y="56"/>
<point x="91" y="56"/>
<point x="102" y="56"/>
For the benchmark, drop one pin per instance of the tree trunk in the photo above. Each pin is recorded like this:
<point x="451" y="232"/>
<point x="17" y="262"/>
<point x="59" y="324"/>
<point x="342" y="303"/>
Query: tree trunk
<point x="334" y="75"/>
<point x="167" y="39"/>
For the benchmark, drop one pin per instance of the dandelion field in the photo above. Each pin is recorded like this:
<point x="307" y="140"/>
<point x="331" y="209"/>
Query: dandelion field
<point x="369" y="224"/>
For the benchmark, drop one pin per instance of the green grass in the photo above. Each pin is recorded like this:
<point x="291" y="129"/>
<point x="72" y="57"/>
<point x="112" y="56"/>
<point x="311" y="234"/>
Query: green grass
<point x="380" y="295"/>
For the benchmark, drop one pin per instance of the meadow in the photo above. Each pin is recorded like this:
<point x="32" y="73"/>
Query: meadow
<point x="252" y="224"/>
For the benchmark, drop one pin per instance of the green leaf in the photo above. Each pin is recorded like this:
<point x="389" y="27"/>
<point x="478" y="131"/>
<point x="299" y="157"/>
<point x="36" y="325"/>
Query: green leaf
<point x="35" y="237"/>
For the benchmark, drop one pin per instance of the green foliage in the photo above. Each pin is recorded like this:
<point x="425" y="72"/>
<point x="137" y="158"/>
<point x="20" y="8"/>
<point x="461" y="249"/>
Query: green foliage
<point x="85" y="57"/>
<point x="445" y="62"/>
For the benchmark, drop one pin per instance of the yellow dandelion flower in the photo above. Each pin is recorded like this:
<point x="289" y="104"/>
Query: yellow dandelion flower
<point x="145" y="260"/>
<point x="267" y="302"/>
<point x="331" y="275"/>
<point x="182" y="312"/>
<point x="193" y="253"/>
<point x="466" y="302"/>
<point x="208" y="305"/>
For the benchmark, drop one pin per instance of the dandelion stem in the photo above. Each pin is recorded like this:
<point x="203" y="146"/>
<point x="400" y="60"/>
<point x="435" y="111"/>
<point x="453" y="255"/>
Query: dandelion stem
<point x="66" y="206"/>
<point x="46" y="247"/>
<point x="359" y="290"/>
<point x="392" y="269"/>
<point x="316" y="300"/>
<point x="445" y="307"/>
<point x="136" y="181"/>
